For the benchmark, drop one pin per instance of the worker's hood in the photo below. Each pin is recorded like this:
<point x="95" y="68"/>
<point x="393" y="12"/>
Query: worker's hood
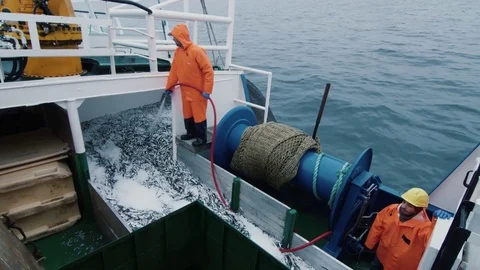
<point x="180" y="32"/>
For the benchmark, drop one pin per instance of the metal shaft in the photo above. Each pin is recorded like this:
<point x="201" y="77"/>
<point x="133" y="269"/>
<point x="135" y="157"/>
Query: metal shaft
<point x="322" y="107"/>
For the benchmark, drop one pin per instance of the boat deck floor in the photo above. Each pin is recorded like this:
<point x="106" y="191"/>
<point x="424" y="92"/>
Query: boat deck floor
<point x="188" y="144"/>
<point x="69" y="245"/>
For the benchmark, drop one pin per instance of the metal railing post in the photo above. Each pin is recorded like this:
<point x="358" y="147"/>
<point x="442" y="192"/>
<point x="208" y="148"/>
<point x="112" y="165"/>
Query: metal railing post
<point x="111" y="37"/>
<point x="186" y="9"/>
<point x="267" y="97"/>
<point x="231" y="15"/>
<point x="267" y="92"/>
<point x="152" y="45"/>
<point x="92" y="14"/>
<point x="2" y="74"/>
<point x="195" y="32"/>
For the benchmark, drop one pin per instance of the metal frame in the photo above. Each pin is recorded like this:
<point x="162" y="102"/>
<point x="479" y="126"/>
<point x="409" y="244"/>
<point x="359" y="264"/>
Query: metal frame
<point x="37" y="51"/>
<point x="116" y="12"/>
<point x="32" y="93"/>
<point x="267" y="92"/>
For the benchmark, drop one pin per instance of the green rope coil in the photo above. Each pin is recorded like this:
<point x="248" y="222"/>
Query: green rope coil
<point x="340" y="175"/>
<point x="271" y="153"/>
<point x="315" y="176"/>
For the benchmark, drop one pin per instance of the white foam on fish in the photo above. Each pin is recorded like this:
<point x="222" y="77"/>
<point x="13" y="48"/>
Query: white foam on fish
<point x="132" y="194"/>
<point x="110" y="151"/>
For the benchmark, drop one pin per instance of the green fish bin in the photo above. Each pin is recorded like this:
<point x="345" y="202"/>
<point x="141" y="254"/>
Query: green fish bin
<point x="192" y="237"/>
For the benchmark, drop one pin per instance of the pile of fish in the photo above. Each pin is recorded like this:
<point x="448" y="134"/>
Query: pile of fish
<point x="131" y="167"/>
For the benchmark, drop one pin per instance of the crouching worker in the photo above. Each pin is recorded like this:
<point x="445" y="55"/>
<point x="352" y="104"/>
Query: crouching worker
<point x="402" y="232"/>
<point x="191" y="66"/>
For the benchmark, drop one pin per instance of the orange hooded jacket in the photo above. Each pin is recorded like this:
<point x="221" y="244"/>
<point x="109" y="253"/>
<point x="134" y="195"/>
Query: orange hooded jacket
<point x="191" y="65"/>
<point x="401" y="245"/>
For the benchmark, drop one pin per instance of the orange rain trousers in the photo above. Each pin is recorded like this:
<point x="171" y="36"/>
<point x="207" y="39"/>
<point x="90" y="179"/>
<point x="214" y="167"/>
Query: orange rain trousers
<point x="401" y="245"/>
<point x="192" y="66"/>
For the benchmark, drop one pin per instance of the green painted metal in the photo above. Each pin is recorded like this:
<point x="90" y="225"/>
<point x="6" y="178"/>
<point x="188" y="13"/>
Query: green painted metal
<point x="81" y="186"/>
<point x="235" y="203"/>
<point x="178" y="241"/>
<point x="70" y="244"/>
<point x="289" y="228"/>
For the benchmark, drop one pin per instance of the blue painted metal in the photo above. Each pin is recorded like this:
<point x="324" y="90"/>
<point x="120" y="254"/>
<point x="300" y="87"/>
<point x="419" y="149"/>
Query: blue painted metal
<point x="327" y="176"/>
<point x="229" y="133"/>
<point x="355" y="191"/>
<point x="245" y="87"/>
<point x="361" y="164"/>
<point x="356" y="194"/>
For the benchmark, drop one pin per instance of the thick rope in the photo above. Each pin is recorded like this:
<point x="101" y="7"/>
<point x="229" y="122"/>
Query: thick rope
<point x="271" y="152"/>
<point x="315" y="176"/>
<point x="340" y="175"/>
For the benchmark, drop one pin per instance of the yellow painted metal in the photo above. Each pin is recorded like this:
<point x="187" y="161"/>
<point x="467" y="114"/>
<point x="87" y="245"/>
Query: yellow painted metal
<point x="42" y="67"/>
<point x="55" y="36"/>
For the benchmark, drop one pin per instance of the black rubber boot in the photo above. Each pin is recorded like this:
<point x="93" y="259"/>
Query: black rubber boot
<point x="201" y="134"/>
<point x="190" y="127"/>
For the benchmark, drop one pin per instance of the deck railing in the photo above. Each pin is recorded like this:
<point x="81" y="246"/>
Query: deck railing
<point x="150" y="45"/>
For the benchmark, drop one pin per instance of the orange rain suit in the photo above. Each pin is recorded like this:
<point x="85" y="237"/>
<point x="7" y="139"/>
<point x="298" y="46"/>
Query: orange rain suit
<point x="401" y="244"/>
<point x="191" y="65"/>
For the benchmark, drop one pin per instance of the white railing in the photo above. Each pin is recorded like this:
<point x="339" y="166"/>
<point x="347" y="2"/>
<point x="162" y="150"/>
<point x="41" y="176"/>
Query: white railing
<point x="118" y="12"/>
<point x="125" y="11"/>
<point x="267" y="92"/>
<point x="86" y="49"/>
<point x="150" y="44"/>
<point x="37" y="51"/>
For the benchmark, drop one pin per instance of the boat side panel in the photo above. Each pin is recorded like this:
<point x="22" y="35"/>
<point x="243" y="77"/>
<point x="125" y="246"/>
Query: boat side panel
<point x="449" y="193"/>
<point x="318" y="258"/>
<point x="192" y="237"/>
<point x="110" y="224"/>
<point x="267" y="213"/>
<point x="100" y="106"/>
<point x="201" y="168"/>
<point x="227" y="87"/>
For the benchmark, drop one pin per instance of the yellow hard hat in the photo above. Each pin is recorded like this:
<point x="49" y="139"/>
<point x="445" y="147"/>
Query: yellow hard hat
<point x="416" y="197"/>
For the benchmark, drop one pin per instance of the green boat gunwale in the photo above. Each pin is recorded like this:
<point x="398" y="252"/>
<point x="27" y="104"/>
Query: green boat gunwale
<point x="175" y="244"/>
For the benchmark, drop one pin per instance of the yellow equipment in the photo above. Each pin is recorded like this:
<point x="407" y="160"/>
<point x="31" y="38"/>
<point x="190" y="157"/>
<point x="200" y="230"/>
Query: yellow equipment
<point x="52" y="36"/>
<point x="416" y="197"/>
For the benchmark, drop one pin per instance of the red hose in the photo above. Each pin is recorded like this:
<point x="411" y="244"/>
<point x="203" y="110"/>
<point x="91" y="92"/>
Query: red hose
<point x="212" y="164"/>
<point x="320" y="237"/>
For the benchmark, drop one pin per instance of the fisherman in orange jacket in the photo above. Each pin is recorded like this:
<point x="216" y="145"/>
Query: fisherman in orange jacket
<point x="191" y="66"/>
<point x="402" y="232"/>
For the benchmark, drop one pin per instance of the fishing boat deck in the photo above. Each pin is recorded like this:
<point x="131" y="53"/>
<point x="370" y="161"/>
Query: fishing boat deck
<point x="311" y="220"/>
<point x="188" y="143"/>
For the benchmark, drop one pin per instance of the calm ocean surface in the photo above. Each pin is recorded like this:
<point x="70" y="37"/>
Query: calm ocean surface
<point x="405" y="77"/>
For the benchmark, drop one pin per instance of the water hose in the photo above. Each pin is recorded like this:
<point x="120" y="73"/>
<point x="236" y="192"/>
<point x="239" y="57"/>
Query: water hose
<point x="212" y="166"/>
<point x="212" y="149"/>
<point x="318" y="238"/>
